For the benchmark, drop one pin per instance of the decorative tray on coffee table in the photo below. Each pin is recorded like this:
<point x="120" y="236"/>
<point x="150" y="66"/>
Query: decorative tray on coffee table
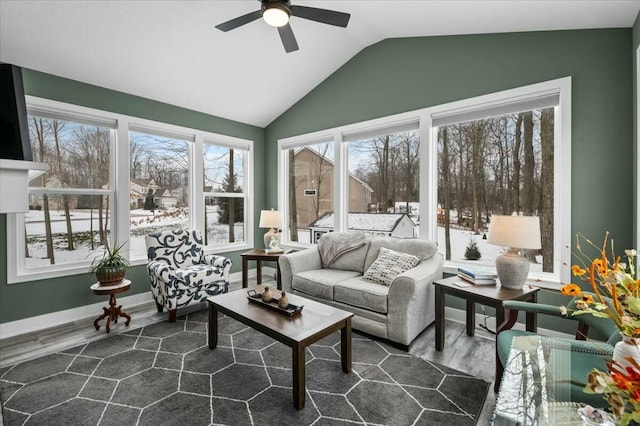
<point x="290" y="310"/>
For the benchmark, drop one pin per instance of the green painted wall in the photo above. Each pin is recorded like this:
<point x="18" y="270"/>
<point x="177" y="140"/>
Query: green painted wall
<point x="23" y="300"/>
<point x="399" y="75"/>
<point x="635" y="44"/>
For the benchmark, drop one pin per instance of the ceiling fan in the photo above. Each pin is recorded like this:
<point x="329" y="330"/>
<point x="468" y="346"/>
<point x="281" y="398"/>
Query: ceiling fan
<point x="277" y="13"/>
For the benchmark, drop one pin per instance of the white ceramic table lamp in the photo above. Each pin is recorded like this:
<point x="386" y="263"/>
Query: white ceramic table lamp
<point x="270" y="219"/>
<point x="518" y="233"/>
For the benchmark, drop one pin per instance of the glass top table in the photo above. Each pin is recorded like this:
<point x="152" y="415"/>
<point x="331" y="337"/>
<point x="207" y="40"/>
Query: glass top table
<point x="536" y="385"/>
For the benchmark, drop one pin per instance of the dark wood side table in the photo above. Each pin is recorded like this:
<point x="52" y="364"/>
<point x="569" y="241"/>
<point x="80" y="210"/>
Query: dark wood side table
<point x="259" y="255"/>
<point x="112" y="312"/>
<point x="489" y="295"/>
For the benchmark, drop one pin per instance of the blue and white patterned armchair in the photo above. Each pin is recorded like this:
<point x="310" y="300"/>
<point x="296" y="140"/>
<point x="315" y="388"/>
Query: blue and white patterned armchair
<point x="180" y="272"/>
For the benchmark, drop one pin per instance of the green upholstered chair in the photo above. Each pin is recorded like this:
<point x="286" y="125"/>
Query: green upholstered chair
<point x="585" y="354"/>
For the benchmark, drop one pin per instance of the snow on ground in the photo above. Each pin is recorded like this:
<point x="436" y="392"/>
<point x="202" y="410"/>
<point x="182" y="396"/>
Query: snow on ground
<point x="144" y="222"/>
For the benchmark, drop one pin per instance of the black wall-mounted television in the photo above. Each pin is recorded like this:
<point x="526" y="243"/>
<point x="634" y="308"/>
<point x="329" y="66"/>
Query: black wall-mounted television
<point x="14" y="131"/>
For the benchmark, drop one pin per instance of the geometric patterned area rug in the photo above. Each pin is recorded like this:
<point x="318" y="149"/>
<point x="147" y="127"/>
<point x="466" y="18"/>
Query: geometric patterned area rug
<point x="165" y="374"/>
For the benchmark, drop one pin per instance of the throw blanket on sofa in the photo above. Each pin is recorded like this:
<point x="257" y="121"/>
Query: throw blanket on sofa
<point x="340" y="243"/>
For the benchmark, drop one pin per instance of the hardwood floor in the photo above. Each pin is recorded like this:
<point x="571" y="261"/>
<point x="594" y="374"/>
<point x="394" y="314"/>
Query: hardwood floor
<point x="472" y="355"/>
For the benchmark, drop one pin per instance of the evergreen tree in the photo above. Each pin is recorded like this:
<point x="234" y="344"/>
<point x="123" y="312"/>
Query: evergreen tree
<point x="227" y="204"/>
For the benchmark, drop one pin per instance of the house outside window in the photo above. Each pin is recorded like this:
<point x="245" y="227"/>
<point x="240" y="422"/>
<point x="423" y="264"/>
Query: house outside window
<point x="158" y="185"/>
<point x="112" y="179"/>
<point x="310" y="177"/>
<point x="416" y="184"/>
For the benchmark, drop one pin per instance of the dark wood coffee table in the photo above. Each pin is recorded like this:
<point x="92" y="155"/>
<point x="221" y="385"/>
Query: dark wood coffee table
<point x="315" y="322"/>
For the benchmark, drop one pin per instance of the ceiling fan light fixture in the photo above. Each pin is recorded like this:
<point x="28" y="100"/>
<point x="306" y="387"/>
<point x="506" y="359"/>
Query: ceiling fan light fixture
<point x="276" y="14"/>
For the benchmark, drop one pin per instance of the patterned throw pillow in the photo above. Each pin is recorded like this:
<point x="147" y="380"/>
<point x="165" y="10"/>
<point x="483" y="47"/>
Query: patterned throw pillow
<point x="389" y="265"/>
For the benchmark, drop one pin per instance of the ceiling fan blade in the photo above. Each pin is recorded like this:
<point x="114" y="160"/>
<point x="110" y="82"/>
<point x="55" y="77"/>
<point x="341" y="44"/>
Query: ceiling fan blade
<point x="239" y="21"/>
<point x="288" y="39"/>
<point x="331" y="17"/>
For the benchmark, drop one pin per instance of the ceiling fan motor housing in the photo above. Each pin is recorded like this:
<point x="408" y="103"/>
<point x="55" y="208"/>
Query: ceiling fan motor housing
<point x="277" y="4"/>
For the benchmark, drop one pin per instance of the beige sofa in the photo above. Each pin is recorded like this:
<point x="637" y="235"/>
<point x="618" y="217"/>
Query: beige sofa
<point x="398" y="312"/>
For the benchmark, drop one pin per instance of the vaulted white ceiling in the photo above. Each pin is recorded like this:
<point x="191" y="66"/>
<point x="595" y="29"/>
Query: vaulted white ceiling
<point x="169" y="51"/>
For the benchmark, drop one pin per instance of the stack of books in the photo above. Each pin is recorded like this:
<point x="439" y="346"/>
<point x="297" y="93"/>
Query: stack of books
<point x="478" y="276"/>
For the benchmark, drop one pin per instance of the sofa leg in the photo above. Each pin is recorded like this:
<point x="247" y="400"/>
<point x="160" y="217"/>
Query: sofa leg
<point x="160" y="307"/>
<point x="172" y="315"/>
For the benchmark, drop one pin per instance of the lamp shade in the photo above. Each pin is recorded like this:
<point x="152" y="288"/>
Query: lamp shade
<point x="270" y="219"/>
<point x="521" y="232"/>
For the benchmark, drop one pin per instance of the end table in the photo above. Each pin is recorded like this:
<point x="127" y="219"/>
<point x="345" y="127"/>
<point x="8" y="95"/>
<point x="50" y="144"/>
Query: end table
<point x="259" y="255"/>
<point x="112" y="312"/>
<point x="489" y="295"/>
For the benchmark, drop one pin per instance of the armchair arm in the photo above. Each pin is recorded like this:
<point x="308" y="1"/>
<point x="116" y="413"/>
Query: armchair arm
<point x="220" y="262"/>
<point x="411" y="300"/>
<point x="293" y="263"/>
<point x="161" y="270"/>
<point x="538" y="308"/>
<point x="513" y="307"/>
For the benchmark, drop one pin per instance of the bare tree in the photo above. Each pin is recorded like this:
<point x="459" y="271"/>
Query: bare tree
<point x="546" y="187"/>
<point x="56" y="128"/>
<point x="528" y="187"/>
<point x="293" y="204"/>
<point x="39" y="133"/>
<point x="515" y="186"/>
<point x="446" y="191"/>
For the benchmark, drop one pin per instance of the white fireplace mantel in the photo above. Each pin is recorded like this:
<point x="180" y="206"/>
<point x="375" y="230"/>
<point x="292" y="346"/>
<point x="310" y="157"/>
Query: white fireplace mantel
<point x="14" y="183"/>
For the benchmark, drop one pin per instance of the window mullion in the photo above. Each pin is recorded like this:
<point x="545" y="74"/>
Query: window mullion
<point x="196" y="184"/>
<point x="120" y="182"/>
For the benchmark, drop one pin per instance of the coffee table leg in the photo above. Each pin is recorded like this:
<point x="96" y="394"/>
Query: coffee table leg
<point x="439" y="318"/>
<point x="298" y="376"/>
<point x="345" y="346"/>
<point x="213" y="326"/>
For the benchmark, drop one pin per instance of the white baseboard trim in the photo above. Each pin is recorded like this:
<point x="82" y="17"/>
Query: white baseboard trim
<point x="53" y="319"/>
<point x="460" y="316"/>
<point x="41" y="322"/>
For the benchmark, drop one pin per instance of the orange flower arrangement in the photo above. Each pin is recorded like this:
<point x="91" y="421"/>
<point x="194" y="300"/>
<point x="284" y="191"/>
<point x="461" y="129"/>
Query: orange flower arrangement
<point x="622" y="389"/>
<point x="608" y="277"/>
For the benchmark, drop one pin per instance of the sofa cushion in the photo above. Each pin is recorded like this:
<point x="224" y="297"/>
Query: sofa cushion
<point x="363" y="294"/>
<point x="320" y="282"/>
<point x="390" y="264"/>
<point x="422" y="248"/>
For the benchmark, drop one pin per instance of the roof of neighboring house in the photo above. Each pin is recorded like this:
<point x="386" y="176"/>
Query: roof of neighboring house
<point x="352" y="176"/>
<point x="363" y="221"/>
<point x="143" y="182"/>
<point x="162" y="192"/>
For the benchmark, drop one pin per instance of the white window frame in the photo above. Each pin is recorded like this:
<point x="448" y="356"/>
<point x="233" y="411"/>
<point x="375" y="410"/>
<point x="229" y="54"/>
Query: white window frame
<point x="247" y="188"/>
<point x="119" y="186"/>
<point x="429" y="171"/>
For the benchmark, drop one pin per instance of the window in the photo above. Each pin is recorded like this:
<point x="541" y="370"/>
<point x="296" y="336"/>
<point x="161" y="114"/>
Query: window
<point x="310" y="191"/>
<point x="448" y="168"/>
<point x="114" y="178"/>
<point x="225" y="194"/>
<point x="495" y="165"/>
<point x="384" y="179"/>
<point x="69" y="215"/>
<point x="158" y="186"/>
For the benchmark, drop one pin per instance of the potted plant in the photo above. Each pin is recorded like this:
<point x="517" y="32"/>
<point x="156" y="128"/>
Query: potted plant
<point x="111" y="267"/>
